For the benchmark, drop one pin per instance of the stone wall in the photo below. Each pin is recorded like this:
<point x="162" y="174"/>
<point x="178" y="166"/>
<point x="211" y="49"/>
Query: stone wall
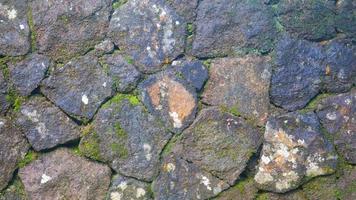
<point x="178" y="99"/>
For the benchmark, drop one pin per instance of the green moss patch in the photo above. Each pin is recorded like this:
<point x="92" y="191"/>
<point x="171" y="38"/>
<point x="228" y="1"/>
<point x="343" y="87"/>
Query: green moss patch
<point x="29" y="157"/>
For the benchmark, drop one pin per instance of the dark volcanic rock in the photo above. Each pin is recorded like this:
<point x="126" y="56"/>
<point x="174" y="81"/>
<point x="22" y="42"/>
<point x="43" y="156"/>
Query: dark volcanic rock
<point x="243" y="190"/>
<point x="4" y="104"/>
<point x="128" y="188"/>
<point x="220" y="143"/>
<point x="45" y="125"/>
<point x="14" y="30"/>
<point x="340" y="66"/>
<point x="310" y="19"/>
<point x="62" y="175"/>
<point x="225" y="26"/>
<point x="27" y="74"/>
<point x="180" y="180"/>
<point x="294" y="151"/>
<point x="104" y="47"/>
<point x="123" y="74"/>
<point x="149" y="31"/>
<point x="297" y="73"/>
<point x="170" y="98"/>
<point x="69" y="28"/>
<point x="338" y="115"/>
<point x="13" y="147"/>
<point x="194" y="72"/>
<point x="185" y="8"/>
<point x="346" y="19"/>
<point x="127" y="137"/>
<point x="241" y="85"/>
<point x="79" y="87"/>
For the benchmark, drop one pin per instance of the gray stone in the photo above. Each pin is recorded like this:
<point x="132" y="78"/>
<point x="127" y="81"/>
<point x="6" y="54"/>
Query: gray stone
<point x="128" y="188"/>
<point x="340" y="70"/>
<point x="79" y="87"/>
<point x="148" y="31"/>
<point x="346" y="17"/>
<point x="27" y="74"/>
<point x="297" y="73"/>
<point x="224" y="27"/>
<point x="45" y="125"/>
<point x="124" y="75"/>
<point x="4" y="104"/>
<point x="346" y="184"/>
<point x="337" y="114"/>
<point x="63" y="175"/>
<point x="14" y="29"/>
<point x="105" y="47"/>
<point x="311" y="19"/>
<point x="13" y="148"/>
<point x="15" y="191"/>
<point x="185" y="8"/>
<point x="294" y="151"/>
<point x="128" y="138"/>
<point x="170" y="98"/>
<point x="241" y="85"/>
<point x="220" y="143"/>
<point x="180" y="180"/>
<point x="194" y="72"/>
<point x="243" y="190"/>
<point x="70" y="28"/>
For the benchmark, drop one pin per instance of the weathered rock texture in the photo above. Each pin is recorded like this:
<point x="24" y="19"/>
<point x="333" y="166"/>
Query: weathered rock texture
<point x="177" y="99"/>
<point x="62" y="175"/>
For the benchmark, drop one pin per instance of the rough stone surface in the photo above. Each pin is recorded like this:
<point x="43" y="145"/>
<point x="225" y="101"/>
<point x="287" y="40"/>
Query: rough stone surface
<point x="4" y="104"/>
<point x="66" y="29"/>
<point x="338" y="115"/>
<point x="346" y="19"/>
<point x="123" y="74"/>
<point x="220" y="143"/>
<point x="293" y="195"/>
<point x="241" y="85"/>
<point x="45" y="125"/>
<point x="62" y="175"/>
<point x="243" y="190"/>
<point x="27" y="74"/>
<point x="185" y="8"/>
<point x="323" y="187"/>
<point x="79" y="87"/>
<point x="294" y="151"/>
<point x="224" y="27"/>
<point x="13" y="147"/>
<point x="148" y="31"/>
<point x="14" y="29"/>
<point x="194" y="72"/>
<point x="126" y="137"/>
<point x="128" y="188"/>
<point x="346" y="184"/>
<point x="180" y="180"/>
<point x="340" y="66"/>
<point x="297" y="73"/>
<point x="171" y="99"/>
<point x="104" y="47"/>
<point x="312" y="19"/>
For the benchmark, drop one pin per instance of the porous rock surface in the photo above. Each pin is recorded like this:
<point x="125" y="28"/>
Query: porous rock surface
<point x="60" y="175"/>
<point x="177" y="99"/>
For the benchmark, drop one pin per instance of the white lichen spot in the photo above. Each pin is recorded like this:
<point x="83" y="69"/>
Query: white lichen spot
<point x="331" y="116"/>
<point x="11" y="14"/>
<point x="301" y="142"/>
<point x="104" y="84"/>
<point x="265" y="159"/>
<point x="115" y="196"/>
<point x="263" y="177"/>
<point x="204" y="180"/>
<point x="148" y="48"/>
<point x="22" y="27"/>
<point x="177" y="123"/>
<point x="348" y="101"/>
<point x="147" y="149"/>
<point x="32" y="115"/>
<point x="122" y="186"/>
<point x="285" y="183"/>
<point x="140" y="192"/>
<point x="170" y="167"/>
<point x="41" y="128"/>
<point x="1" y="124"/>
<point x="45" y="178"/>
<point x="177" y="23"/>
<point x="85" y="99"/>
<point x="217" y="189"/>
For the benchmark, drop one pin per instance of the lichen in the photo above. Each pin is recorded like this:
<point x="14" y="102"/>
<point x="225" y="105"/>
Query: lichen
<point x="116" y="100"/>
<point x="33" y="33"/>
<point x="120" y="150"/>
<point x="118" y="4"/>
<point x="89" y="145"/>
<point x="29" y="157"/>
